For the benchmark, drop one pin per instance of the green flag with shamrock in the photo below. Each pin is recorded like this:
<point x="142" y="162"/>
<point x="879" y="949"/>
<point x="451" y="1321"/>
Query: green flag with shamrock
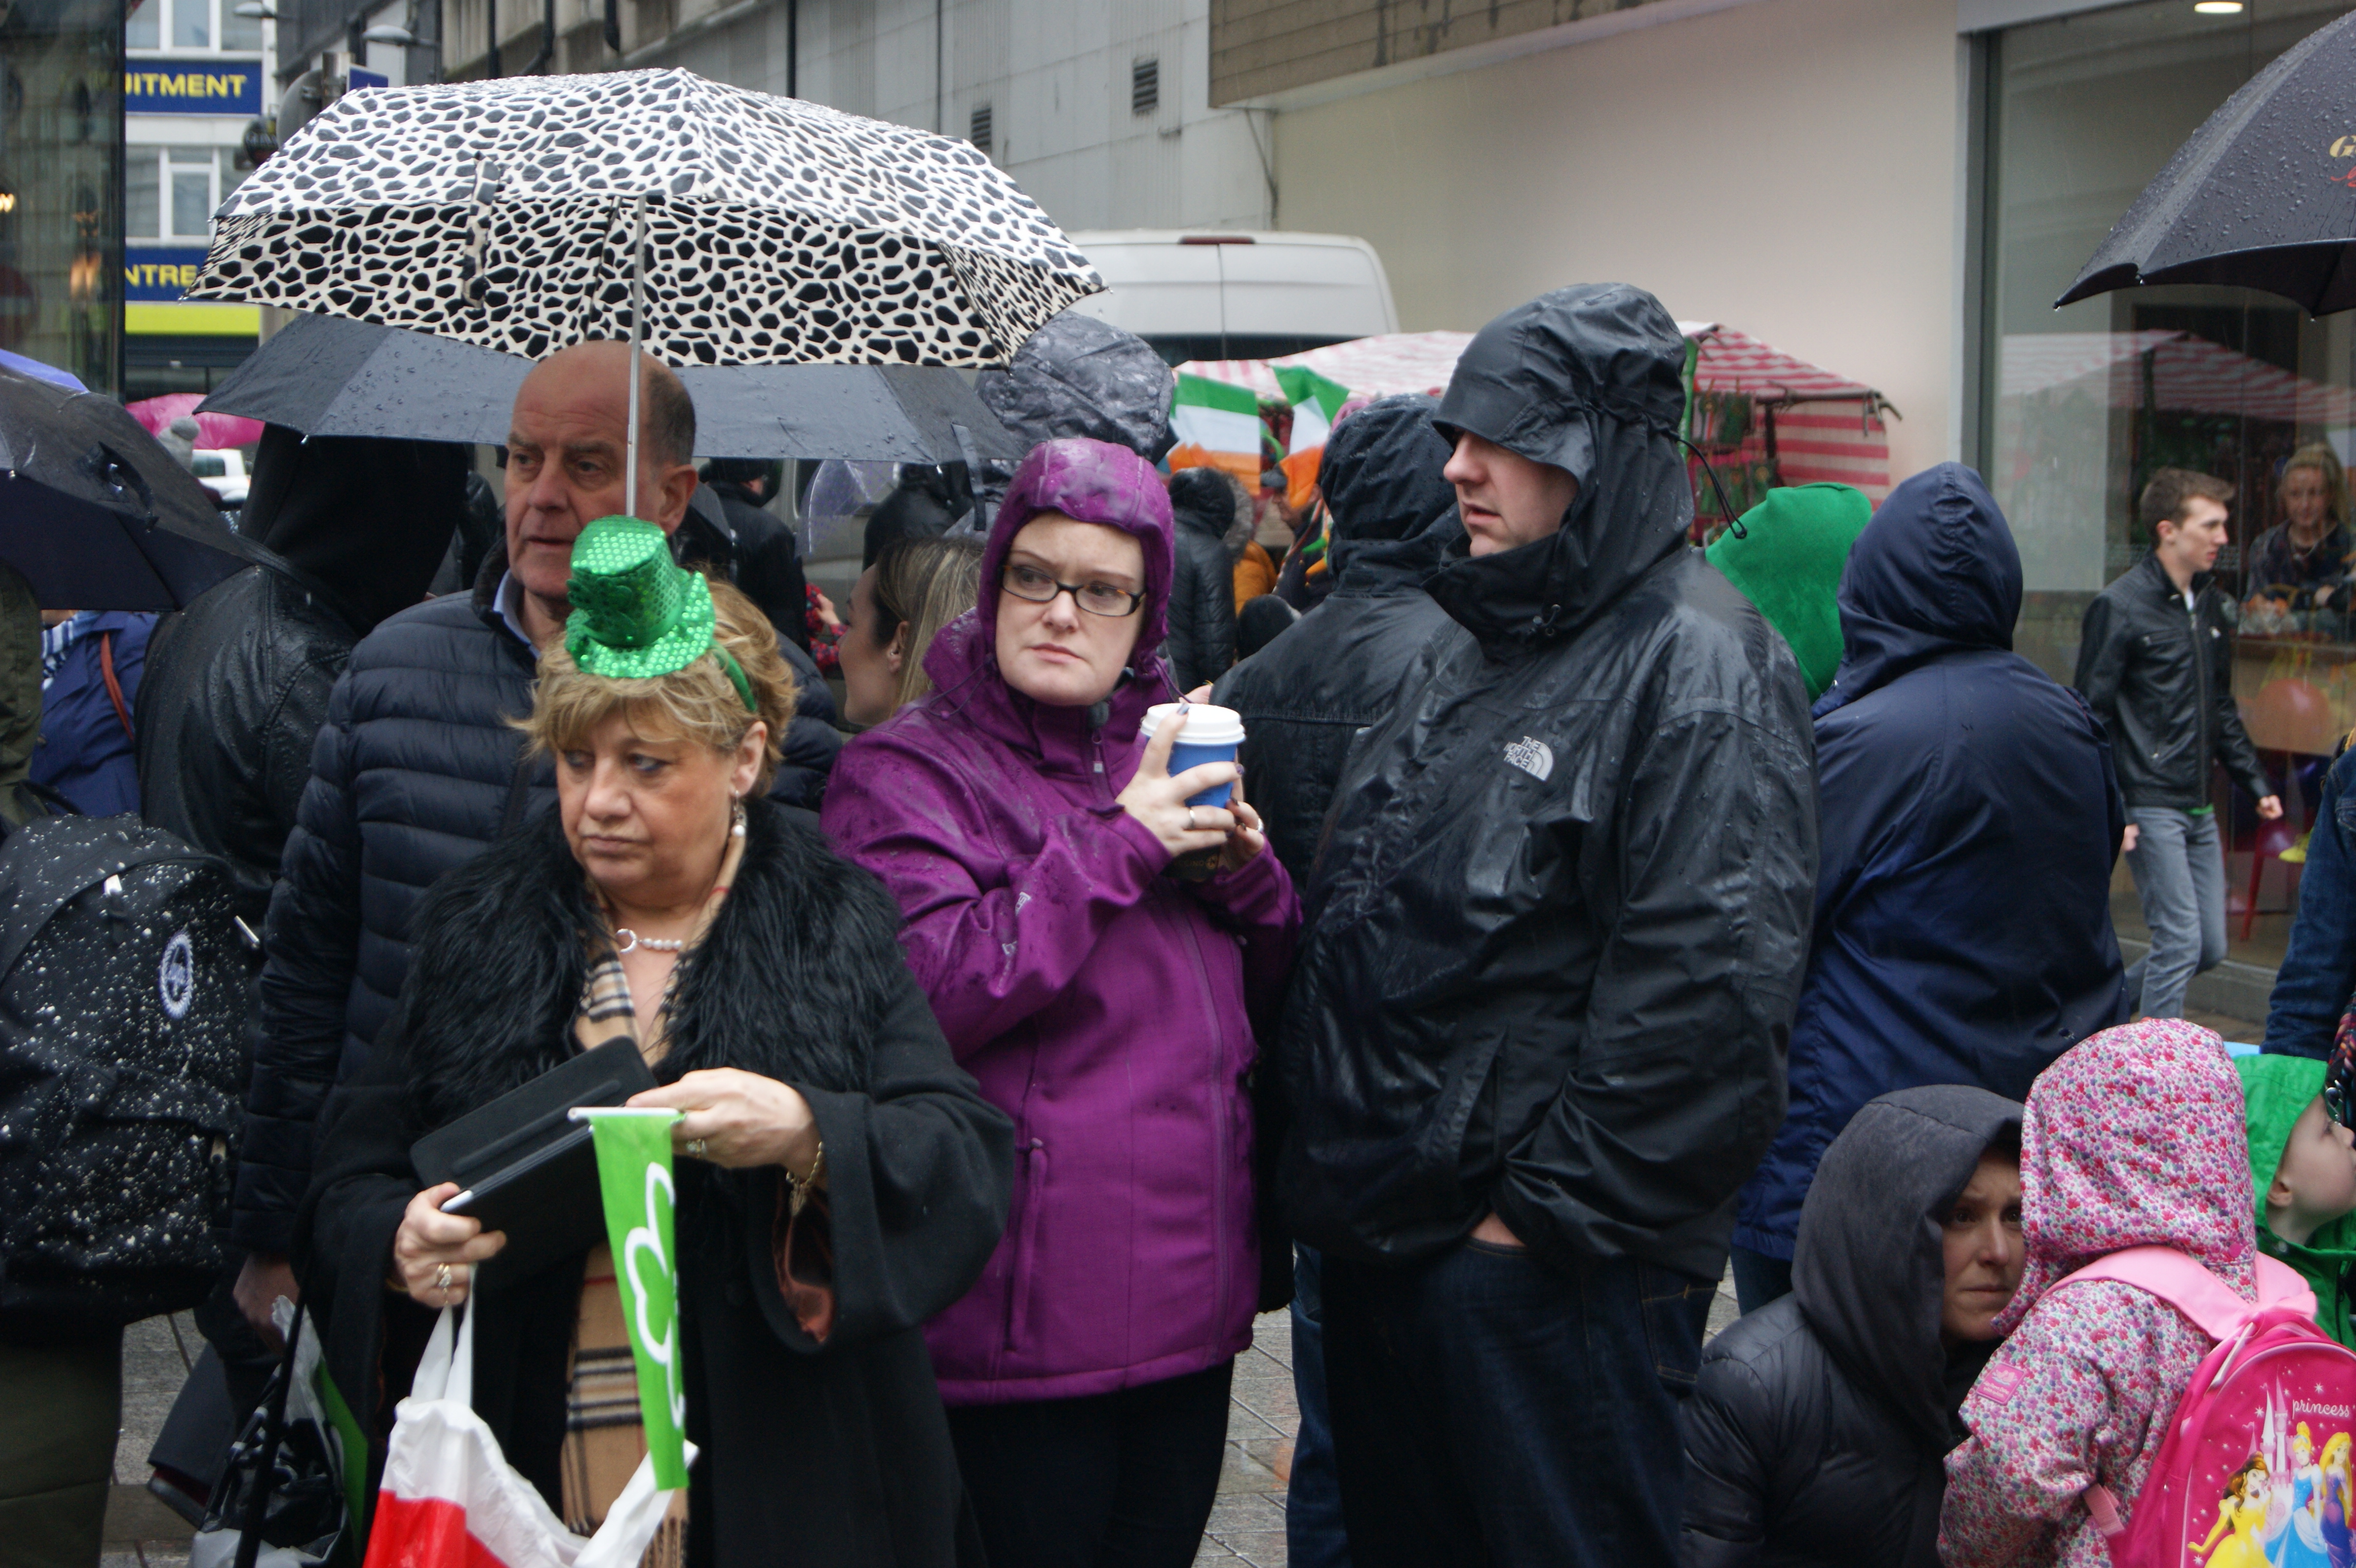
<point x="634" y="1169"/>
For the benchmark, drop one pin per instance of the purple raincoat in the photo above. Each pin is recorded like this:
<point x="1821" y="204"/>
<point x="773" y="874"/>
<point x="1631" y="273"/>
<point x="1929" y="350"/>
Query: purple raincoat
<point x="1101" y="1003"/>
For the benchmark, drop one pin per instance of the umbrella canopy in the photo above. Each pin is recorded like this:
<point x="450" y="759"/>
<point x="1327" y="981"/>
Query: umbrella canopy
<point x="95" y="514"/>
<point x="40" y="371"/>
<point x="2263" y="195"/>
<point x="215" y="429"/>
<point x="506" y="212"/>
<point x="326" y="376"/>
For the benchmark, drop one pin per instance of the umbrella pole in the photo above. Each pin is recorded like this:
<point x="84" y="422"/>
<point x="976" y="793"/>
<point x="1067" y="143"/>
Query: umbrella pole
<point x="637" y="336"/>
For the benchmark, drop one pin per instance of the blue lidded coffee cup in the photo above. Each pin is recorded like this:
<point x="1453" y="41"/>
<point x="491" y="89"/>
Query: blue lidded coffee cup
<point x="1211" y="735"/>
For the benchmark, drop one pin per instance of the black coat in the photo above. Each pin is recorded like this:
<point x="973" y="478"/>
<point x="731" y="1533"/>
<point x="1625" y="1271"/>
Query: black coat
<point x="1202" y="578"/>
<point x="758" y="552"/>
<point x="236" y="685"/>
<point x="416" y="770"/>
<point x="1553" y="943"/>
<point x="831" y="1453"/>
<point x="2161" y="678"/>
<point x="1306" y="695"/>
<point x="1814" y="1435"/>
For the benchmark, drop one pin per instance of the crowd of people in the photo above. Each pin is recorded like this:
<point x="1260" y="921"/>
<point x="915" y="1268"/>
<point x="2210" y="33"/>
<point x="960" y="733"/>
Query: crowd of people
<point x="1580" y="911"/>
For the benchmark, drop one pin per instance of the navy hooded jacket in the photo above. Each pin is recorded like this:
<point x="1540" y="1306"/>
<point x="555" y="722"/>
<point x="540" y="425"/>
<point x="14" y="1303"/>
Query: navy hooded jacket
<point x="1970" y="816"/>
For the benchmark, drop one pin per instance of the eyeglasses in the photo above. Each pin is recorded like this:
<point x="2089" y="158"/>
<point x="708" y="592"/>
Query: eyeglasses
<point x="1030" y="584"/>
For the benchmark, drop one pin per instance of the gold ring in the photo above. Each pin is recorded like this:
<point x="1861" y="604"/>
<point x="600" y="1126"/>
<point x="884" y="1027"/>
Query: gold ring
<point x="1190" y="820"/>
<point x="442" y="1278"/>
<point x="695" y="1148"/>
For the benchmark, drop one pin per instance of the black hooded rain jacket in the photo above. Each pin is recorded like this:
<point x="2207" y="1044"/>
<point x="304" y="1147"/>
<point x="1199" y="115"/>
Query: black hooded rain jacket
<point x="1205" y="521"/>
<point x="1814" y="1436"/>
<point x="1305" y="697"/>
<point x="1559" y="922"/>
<point x="237" y="684"/>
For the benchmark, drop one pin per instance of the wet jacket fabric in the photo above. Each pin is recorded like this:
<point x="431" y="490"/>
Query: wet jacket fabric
<point x="2132" y="1138"/>
<point x="1786" y="554"/>
<point x="20" y="696"/>
<point x="2275" y="1091"/>
<point x="237" y="683"/>
<point x="1078" y="376"/>
<point x="1555" y="938"/>
<point x="1202" y="583"/>
<point x="1306" y="695"/>
<point x="85" y="752"/>
<point x="2317" y="978"/>
<point x="1945" y="765"/>
<point x="1815" y="1434"/>
<point x="2160" y="677"/>
<point x="1105" y="1006"/>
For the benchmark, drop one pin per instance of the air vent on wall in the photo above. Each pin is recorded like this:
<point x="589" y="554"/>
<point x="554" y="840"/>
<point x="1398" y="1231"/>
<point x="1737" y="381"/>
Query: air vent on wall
<point x="979" y="133"/>
<point x="1145" y="86"/>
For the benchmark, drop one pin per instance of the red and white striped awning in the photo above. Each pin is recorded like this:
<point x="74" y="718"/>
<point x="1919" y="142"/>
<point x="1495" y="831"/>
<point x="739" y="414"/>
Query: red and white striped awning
<point x="2189" y="375"/>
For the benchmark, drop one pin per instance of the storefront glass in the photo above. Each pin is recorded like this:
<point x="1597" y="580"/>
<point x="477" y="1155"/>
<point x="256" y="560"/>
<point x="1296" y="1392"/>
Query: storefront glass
<point x="2081" y="405"/>
<point x="61" y="149"/>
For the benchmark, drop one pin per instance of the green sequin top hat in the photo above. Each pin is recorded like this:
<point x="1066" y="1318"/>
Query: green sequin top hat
<point x="636" y="615"/>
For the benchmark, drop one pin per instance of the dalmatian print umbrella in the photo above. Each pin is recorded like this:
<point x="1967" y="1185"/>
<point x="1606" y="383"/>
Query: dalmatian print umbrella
<point x="777" y="232"/>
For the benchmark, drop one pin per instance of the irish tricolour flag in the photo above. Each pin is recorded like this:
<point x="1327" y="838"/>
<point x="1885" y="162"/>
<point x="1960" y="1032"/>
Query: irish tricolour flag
<point x="1217" y="426"/>
<point x="1316" y="404"/>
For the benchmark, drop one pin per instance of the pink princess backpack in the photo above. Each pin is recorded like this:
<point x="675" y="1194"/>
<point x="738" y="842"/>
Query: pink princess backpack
<point x="2255" y="1467"/>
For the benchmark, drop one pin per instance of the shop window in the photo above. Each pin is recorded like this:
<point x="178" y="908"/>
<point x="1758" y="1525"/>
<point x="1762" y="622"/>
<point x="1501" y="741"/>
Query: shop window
<point x="144" y="27"/>
<point x="236" y="32"/>
<point x="191" y="24"/>
<point x="2081" y="407"/>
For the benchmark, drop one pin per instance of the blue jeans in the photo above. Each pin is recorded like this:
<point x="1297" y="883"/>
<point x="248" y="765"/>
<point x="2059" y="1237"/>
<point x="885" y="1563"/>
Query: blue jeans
<point x="1313" y="1532"/>
<point x="1490" y="1410"/>
<point x="2179" y="876"/>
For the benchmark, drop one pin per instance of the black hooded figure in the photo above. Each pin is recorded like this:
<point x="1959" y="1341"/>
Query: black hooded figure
<point x="1553" y="943"/>
<point x="237" y="683"/>
<point x="1209" y="530"/>
<point x="1817" y="1434"/>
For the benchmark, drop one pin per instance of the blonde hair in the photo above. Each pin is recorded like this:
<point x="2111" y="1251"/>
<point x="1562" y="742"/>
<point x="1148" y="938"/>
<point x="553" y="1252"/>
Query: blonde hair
<point x="2319" y="456"/>
<point x="924" y="584"/>
<point x="699" y="702"/>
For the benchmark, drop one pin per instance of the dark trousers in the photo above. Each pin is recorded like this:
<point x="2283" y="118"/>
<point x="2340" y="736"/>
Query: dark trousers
<point x="1491" y="1410"/>
<point x="60" y="1407"/>
<point x="1118" y="1480"/>
<point x="1315" y="1536"/>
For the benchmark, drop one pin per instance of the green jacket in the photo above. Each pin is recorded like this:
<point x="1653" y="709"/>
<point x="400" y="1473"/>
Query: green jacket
<point x="2275" y="1090"/>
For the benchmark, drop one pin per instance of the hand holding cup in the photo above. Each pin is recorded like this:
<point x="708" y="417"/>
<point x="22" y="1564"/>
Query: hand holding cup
<point x="1158" y="800"/>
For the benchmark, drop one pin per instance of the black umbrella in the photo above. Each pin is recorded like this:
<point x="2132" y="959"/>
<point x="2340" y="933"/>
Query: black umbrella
<point x="94" y="513"/>
<point x="2263" y="195"/>
<point x="324" y="375"/>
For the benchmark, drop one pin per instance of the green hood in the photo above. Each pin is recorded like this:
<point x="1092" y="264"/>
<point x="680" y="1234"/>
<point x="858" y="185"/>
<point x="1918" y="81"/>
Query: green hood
<point x="2275" y="1089"/>
<point x="1788" y="561"/>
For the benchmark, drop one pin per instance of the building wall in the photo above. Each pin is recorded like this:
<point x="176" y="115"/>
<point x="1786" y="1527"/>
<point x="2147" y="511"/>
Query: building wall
<point x="1789" y="167"/>
<point x="1259" y="47"/>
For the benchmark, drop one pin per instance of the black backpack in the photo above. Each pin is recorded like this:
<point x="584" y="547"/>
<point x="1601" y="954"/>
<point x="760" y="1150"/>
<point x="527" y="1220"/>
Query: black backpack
<point x="124" y="978"/>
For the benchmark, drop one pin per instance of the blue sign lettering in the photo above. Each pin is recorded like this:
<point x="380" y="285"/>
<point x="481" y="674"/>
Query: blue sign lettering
<point x="161" y="273"/>
<point x="192" y="86"/>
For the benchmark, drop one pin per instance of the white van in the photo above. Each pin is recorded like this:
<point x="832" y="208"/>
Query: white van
<point x="1236" y="295"/>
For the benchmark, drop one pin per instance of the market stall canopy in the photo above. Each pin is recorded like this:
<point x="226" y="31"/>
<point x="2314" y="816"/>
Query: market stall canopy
<point x="2187" y="374"/>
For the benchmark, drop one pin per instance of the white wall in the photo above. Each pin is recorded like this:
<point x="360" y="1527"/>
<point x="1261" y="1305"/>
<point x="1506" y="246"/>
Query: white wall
<point x="1789" y="169"/>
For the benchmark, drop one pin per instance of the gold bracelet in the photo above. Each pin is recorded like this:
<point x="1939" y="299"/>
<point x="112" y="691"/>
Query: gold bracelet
<point x="802" y="1186"/>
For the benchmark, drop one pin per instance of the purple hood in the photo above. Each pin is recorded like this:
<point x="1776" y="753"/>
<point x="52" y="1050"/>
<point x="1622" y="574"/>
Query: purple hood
<point x="1104" y="1006"/>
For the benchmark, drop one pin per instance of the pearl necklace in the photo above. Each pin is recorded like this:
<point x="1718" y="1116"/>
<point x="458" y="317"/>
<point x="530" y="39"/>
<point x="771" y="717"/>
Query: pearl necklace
<point x="630" y="939"/>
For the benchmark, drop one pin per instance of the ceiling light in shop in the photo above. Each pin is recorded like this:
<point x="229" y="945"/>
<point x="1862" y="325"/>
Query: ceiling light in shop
<point x="2219" y="8"/>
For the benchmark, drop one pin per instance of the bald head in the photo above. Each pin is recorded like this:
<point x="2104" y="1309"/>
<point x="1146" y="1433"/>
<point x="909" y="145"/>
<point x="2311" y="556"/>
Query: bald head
<point x="565" y="455"/>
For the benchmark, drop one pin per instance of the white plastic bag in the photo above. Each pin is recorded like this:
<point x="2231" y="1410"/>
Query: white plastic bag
<point x="450" y="1499"/>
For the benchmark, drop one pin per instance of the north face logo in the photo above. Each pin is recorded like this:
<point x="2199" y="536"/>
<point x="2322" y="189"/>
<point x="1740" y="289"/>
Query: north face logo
<point x="1532" y="756"/>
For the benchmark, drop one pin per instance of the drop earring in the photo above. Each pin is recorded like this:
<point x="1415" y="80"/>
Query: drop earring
<point x="736" y="816"/>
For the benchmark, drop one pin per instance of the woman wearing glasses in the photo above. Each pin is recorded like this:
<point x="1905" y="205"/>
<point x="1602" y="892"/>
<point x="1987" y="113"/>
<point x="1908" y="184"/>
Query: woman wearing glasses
<point x="1026" y="830"/>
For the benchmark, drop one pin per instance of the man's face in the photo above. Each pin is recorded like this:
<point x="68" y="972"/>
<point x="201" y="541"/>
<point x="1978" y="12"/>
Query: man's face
<point x="1507" y="500"/>
<point x="2195" y="540"/>
<point x="564" y="465"/>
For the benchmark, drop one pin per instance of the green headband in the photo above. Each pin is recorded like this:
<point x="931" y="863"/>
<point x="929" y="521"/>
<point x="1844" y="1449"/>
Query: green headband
<point x="634" y="614"/>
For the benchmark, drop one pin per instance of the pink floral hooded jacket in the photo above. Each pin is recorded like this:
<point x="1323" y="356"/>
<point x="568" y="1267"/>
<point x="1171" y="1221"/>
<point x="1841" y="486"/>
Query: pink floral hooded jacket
<point x="2131" y="1138"/>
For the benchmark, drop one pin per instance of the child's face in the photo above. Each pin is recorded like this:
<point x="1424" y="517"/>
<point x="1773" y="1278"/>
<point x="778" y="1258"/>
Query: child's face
<point x="2316" y="1179"/>
<point x="1981" y="1240"/>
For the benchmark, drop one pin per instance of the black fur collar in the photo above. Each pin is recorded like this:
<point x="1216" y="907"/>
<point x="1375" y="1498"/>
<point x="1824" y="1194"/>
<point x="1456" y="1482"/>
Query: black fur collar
<point x="792" y="982"/>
